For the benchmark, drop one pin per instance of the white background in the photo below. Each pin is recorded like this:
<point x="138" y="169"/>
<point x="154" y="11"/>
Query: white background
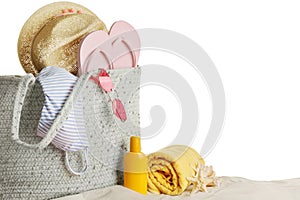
<point x="255" y="46"/>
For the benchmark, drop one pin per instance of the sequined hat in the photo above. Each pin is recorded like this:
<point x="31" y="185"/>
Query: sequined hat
<point x="51" y="36"/>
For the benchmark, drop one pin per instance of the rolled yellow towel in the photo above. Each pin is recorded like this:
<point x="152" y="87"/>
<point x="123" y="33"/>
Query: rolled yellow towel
<point x="169" y="168"/>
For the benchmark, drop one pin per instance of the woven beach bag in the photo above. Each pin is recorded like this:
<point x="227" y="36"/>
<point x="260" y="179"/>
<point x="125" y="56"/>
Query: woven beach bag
<point x="33" y="168"/>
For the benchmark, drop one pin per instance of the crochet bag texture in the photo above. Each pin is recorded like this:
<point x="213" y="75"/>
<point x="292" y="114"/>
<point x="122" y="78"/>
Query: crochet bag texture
<point x="33" y="168"/>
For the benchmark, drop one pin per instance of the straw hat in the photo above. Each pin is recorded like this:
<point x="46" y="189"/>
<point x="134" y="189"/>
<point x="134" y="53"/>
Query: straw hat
<point x="51" y="36"/>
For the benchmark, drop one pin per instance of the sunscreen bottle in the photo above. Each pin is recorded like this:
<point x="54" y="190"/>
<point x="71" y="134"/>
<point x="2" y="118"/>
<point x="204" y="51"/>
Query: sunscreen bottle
<point x="135" y="167"/>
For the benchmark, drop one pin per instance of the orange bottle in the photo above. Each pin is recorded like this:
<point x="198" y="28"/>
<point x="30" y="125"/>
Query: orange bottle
<point x="135" y="167"/>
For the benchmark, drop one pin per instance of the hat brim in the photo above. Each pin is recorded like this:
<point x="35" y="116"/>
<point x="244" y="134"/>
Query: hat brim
<point x="33" y="25"/>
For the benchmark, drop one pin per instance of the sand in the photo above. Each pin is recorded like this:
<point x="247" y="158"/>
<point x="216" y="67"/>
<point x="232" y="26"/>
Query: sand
<point x="230" y="188"/>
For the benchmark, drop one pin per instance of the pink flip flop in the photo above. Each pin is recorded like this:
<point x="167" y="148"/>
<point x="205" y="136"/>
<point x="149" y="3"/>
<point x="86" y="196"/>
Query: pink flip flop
<point x="127" y="42"/>
<point x="120" y="48"/>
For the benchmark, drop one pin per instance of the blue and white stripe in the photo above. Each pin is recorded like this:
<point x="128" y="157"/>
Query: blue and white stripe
<point x="57" y="84"/>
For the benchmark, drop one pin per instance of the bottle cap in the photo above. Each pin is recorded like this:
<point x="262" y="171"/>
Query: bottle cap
<point x="135" y="144"/>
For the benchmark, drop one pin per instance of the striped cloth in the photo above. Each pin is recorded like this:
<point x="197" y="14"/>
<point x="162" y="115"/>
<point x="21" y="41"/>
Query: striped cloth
<point x="57" y="84"/>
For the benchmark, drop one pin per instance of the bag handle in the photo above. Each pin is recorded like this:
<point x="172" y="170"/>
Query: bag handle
<point x="60" y="119"/>
<point x="83" y="170"/>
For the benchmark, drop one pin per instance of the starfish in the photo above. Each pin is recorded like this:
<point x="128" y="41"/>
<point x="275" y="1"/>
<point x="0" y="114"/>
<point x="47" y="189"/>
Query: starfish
<point x="204" y="177"/>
